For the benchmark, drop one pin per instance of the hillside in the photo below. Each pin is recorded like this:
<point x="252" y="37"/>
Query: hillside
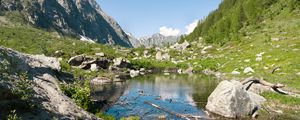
<point x="233" y="19"/>
<point x="70" y="17"/>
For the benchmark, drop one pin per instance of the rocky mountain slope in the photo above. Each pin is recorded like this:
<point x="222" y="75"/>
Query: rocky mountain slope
<point x="153" y="41"/>
<point x="70" y="17"/>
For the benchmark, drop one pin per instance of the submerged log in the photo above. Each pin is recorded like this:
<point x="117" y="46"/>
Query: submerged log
<point x="183" y="116"/>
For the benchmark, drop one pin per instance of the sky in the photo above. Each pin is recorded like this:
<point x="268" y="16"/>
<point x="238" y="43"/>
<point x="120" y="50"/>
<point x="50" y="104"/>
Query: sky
<point x="168" y="17"/>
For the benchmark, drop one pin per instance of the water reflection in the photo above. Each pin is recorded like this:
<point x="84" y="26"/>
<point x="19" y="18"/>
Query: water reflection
<point x="184" y="94"/>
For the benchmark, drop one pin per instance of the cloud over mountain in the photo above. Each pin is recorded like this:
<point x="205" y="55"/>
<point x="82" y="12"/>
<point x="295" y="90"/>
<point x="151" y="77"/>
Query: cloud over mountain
<point x="190" y="28"/>
<point x="168" y="31"/>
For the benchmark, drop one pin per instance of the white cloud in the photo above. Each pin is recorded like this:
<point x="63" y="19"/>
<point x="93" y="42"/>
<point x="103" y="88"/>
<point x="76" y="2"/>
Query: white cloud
<point x="168" y="31"/>
<point x="190" y="28"/>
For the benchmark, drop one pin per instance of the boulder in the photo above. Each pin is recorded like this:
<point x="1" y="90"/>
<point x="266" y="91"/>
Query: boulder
<point x="121" y="63"/>
<point x="42" y="72"/>
<point x="59" y="53"/>
<point x="231" y="100"/>
<point x="79" y="59"/>
<point x="94" y="67"/>
<point x="248" y="70"/>
<point x="134" y="73"/>
<point x="258" y="59"/>
<point x="103" y="63"/>
<point x="158" y="56"/>
<point x="100" y="80"/>
<point x="101" y="54"/>
<point x="76" y="60"/>
<point x="235" y="72"/>
<point x="181" y="47"/>
<point x="166" y="56"/>
<point x="189" y="70"/>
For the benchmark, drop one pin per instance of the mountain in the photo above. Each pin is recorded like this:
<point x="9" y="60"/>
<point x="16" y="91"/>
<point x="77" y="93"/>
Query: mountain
<point x="70" y="17"/>
<point x="233" y="18"/>
<point x="153" y="41"/>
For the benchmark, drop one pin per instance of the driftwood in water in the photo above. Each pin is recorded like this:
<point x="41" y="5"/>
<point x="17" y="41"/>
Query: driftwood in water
<point x="276" y="87"/>
<point x="168" y="111"/>
<point x="183" y="116"/>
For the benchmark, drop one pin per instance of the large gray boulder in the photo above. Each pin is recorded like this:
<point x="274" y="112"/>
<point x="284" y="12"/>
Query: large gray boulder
<point x="42" y="71"/>
<point x="231" y="100"/>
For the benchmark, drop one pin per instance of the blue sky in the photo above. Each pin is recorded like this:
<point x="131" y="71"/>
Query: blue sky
<point x="146" y="17"/>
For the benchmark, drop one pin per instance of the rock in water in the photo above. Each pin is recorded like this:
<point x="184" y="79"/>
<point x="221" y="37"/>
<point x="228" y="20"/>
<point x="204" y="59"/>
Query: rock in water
<point x="231" y="100"/>
<point x="134" y="73"/>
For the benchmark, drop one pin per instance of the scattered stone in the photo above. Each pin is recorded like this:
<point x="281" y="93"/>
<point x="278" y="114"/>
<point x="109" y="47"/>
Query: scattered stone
<point x="94" y="67"/>
<point x="166" y="56"/>
<point x="203" y="51"/>
<point x="258" y="59"/>
<point x="181" y="47"/>
<point x="59" y="53"/>
<point x="247" y="60"/>
<point x="158" y="56"/>
<point x="235" y="72"/>
<point x="189" y="70"/>
<point x="248" y="70"/>
<point x="231" y="100"/>
<point x="275" y="39"/>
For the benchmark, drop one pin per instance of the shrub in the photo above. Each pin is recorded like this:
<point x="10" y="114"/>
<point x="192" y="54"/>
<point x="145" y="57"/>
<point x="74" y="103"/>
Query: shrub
<point x="81" y="94"/>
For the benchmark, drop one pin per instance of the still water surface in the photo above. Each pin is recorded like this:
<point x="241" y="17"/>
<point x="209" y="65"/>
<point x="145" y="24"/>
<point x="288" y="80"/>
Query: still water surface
<point x="182" y="94"/>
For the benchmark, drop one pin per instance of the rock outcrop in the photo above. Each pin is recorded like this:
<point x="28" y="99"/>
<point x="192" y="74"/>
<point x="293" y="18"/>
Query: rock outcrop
<point x="88" y="62"/>
<point x="82" y="18"/>
<point x="42" y="71"/>
<point x="231" y="100"/>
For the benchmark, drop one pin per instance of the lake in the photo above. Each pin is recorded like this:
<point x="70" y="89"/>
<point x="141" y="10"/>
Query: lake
<point x="154" y="96"/>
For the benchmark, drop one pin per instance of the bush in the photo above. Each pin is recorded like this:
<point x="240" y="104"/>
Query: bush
<point x="81" y="94"/>
<point x="13" y="115"/>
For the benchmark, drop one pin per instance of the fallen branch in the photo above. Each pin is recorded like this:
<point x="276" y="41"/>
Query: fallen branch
<point x="276" y="87"/>
<point x="274" y="70"/>
<point x="168" y="111"/>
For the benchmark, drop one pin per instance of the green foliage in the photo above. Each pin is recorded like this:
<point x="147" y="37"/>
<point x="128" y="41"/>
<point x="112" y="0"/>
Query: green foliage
<point x="34" y="41"/>
<point x="282" y="99"/>
<point x="152" y="64"/>
<point x="80" y="93"/>
<point x="225" y="23"/>
<point x="15" y="17"/>
<point x="105" y="116"/>
<point x="13" y="115"/>
<point x="24" y="90"/>
<point x="131" y="118"/>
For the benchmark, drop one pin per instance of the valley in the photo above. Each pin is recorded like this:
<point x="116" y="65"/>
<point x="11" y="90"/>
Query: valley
<point x="48" y="72"/>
